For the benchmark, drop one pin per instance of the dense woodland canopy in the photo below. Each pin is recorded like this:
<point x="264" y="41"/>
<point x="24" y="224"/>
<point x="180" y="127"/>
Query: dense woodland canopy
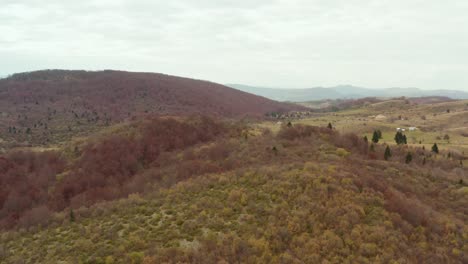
<point x="199" y="190"/>
<point x="101" y="170"/>
<point x="150" y="168"/>
<point x="50" y="106"/>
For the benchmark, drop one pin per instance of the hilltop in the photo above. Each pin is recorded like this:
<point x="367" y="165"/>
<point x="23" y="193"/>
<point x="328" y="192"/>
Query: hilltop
<point x="50" y="106"/>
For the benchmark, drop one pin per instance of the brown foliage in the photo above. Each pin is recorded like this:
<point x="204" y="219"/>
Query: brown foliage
<point x="109" y="164"/>
<point x="41" y="103"/>
<point x="301" y="131"/>
<point x="35" y="216"/>
<point x="104" y="168"/>
<point x="24" y="181"/>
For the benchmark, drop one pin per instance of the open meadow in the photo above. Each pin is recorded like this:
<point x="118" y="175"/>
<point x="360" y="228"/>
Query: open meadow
<point x="443" y="123"/>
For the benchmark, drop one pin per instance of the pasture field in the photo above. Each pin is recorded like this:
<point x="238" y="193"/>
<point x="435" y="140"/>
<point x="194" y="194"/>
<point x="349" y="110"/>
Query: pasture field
<point x="433" y="122"/>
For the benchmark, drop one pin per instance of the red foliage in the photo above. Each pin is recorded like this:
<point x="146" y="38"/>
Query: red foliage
<point x="24" y="181"/>
<point x="105" y="170"/>
<point x="412" y="210"/>
<point x="46" y="101"/>
<point x="301" y="131"/>
<point x="112" y="162"/>
<point x="351" y="142"/>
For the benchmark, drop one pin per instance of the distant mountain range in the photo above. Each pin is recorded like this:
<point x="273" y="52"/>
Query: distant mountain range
<point x="343" y="92"/>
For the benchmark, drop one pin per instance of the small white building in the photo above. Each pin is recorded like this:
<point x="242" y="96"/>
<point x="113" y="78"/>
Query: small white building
<point x="412" y="128"/>
<point x="380" y="117"/>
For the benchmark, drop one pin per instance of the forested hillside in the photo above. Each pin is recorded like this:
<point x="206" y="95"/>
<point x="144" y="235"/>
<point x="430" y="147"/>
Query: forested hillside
<point x="106" y="168"/>
<point x="204" y="191"/>
<point x="51" y="106"/>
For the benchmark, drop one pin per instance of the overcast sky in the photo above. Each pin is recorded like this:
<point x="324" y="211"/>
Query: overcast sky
<point x="276" y="43"/>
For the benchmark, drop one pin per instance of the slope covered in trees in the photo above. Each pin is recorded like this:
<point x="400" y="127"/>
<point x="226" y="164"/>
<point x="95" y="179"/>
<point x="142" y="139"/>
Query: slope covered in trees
<point x="51" y="106"/>
<point x="223" y="193"/>
<point x="105" y="168"/>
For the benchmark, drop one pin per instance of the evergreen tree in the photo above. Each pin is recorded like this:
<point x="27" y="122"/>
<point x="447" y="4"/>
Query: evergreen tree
<point x="435" y="148"/>
<point x="387" y="153"/>
<point x="400" y="138"/>
<point x="275" y="150"/>
<point x="72" y="216"/>
<point x="330" y="126"/>
<point x="379" y="133"/>
<point x="289" y="124"/>
<point x="409" y="158"/>
<point x="375" y="137"/>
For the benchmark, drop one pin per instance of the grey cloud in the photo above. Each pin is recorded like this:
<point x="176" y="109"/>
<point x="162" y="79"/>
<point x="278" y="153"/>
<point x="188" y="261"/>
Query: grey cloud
<point x="296" y="43"/>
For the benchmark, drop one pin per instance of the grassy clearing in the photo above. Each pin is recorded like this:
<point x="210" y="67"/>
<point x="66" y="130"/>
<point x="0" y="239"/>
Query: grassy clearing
<point x="433" y="121"/>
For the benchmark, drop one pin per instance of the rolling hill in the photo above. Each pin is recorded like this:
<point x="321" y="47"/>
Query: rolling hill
<point x="344" y="92"/>
<point x="204" y="191"/>
<point x="49" y="106"/>
<point x="160" y="169"/>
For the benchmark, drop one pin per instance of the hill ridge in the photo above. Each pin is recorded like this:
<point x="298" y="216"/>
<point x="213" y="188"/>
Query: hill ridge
<point x="41" y="106"/>
<point x="344" y="92"/>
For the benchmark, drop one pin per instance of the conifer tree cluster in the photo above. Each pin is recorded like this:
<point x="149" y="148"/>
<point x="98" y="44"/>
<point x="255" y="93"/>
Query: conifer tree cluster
<point x="400" y="138"/>
<point x="376" y="136"/>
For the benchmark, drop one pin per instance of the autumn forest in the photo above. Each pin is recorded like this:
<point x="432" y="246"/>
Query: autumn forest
<point x="153" y="183"/>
